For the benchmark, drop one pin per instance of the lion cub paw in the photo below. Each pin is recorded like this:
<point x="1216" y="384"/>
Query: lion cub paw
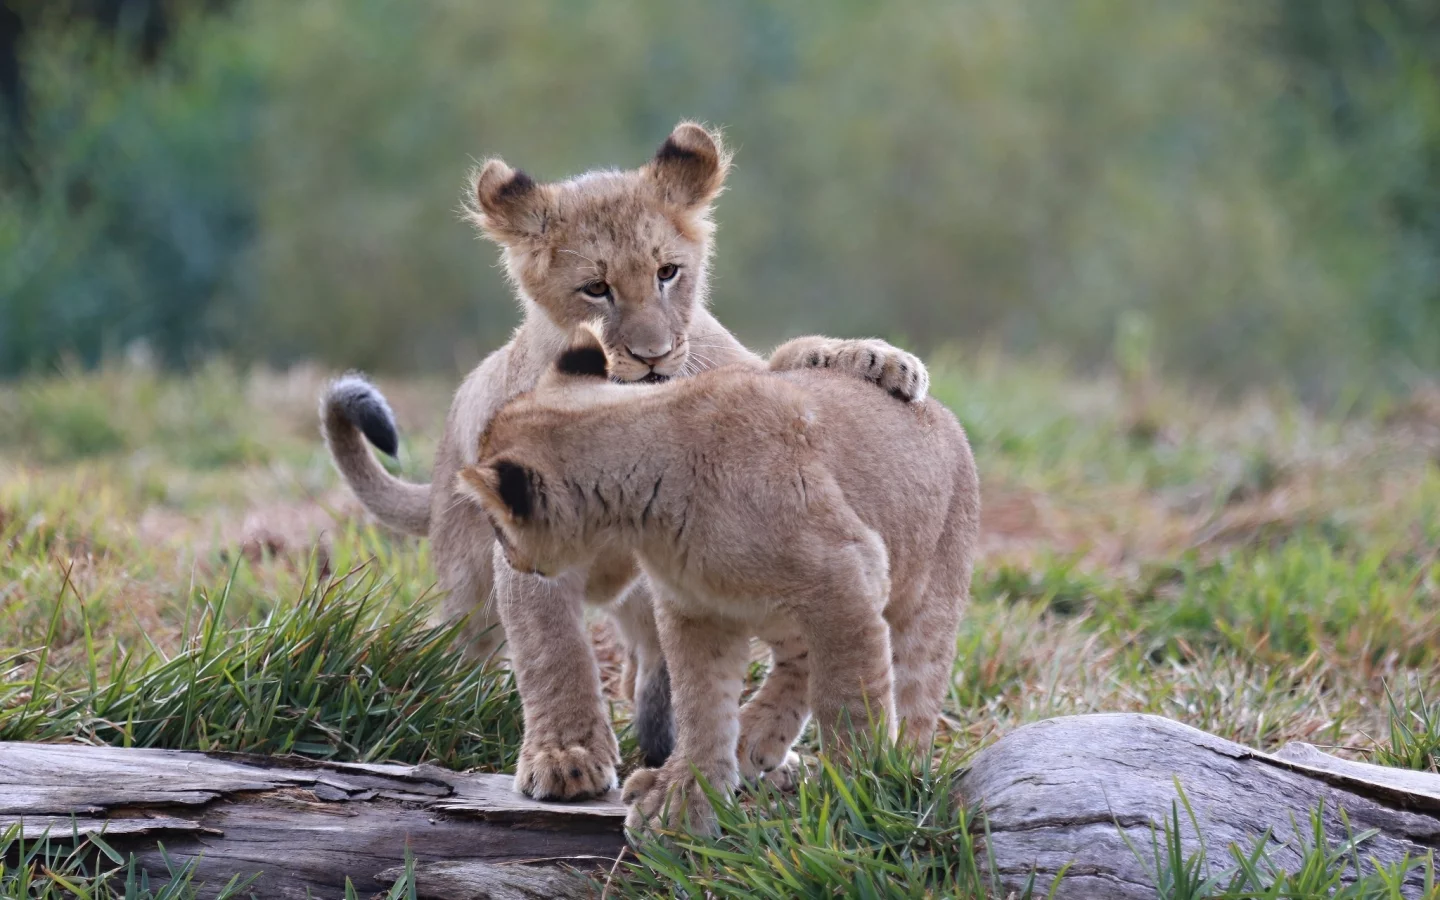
<point x="785" y="777"/>
<point x="893" y="369"/>
<point x="565" y="773"/>
<point x="670" y="798"/>
<point x="763" y="752"/>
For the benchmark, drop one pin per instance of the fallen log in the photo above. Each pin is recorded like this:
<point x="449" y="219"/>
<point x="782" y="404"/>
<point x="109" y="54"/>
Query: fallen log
<point x="1071" y="791"/>
<point x="307" y="826"/>
<point x="1060" y="793"/>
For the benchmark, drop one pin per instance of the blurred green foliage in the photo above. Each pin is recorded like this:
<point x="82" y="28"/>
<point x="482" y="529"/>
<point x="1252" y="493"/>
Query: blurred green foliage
<point x="1254" y="187"/>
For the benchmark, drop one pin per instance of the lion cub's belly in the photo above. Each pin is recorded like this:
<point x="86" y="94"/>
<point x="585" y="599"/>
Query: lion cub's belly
<point x="692" y="597"/>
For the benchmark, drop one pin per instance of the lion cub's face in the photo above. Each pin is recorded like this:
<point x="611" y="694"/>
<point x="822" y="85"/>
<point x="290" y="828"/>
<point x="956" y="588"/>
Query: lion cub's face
<point x="626" y="248"/>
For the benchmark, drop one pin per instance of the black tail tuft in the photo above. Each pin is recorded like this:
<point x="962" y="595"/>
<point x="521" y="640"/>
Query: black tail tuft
<point x="363" y="406"/>
<point x="654" y="720"/>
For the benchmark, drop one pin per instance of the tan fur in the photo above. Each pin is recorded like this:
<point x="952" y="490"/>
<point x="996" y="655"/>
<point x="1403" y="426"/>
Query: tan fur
<point x="622" y="228"/>
<point x="834" y="522"/>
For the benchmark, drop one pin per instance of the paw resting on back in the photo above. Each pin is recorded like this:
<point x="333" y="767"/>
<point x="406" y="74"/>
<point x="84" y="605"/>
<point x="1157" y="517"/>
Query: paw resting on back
<point x="893" y="369"/>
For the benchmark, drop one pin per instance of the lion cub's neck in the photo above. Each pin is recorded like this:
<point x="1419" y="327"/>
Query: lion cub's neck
<point x="535" y="345"/>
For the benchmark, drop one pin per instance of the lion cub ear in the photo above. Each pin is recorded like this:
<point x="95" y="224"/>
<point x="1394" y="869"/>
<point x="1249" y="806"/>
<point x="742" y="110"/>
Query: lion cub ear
<point x="690" y="167"/>
<point x="585" y="357"/>
<point x="509" y="205"/>
<point x="503" y="488"/>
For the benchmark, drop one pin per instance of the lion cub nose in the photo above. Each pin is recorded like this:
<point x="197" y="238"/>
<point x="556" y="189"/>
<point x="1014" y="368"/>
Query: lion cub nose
<point x="653" y="354"/>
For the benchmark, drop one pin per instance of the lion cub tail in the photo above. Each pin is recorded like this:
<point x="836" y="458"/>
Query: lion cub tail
<point x="352" y="407"/>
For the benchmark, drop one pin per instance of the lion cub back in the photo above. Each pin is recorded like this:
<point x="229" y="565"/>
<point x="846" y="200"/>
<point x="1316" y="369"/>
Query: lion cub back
<point x="905" y="468"/>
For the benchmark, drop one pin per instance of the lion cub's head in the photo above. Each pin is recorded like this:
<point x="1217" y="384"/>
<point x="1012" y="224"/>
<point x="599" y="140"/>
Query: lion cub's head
<point x="629" y="248"/>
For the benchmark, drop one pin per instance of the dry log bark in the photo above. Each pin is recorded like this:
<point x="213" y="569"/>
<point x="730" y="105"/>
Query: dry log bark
<point x="307" y="826"/>
<point x="1055" y="793"/>
<point x="1063" y="790"/>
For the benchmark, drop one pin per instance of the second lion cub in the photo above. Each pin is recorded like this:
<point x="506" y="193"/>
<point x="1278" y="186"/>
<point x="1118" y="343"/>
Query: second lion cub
<point x="836" y="523"/>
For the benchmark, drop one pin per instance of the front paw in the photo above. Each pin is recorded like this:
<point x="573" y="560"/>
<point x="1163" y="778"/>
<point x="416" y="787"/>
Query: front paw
<point x="575" y="772"/>
<point x="764" y="748"/>
<point x="670" y="798"/>
<point x="785" y="777"/>
<point x="893" y="369"/>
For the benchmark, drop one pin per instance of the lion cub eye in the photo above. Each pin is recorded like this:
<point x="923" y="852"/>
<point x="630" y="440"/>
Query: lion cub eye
<point x="667" y="271"/>
<point x="596" y="289"/>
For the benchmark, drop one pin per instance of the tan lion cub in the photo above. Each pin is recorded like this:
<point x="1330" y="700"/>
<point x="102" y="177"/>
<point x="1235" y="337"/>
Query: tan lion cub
<point x="631" y="248"/>
<point x="833" y="521"/>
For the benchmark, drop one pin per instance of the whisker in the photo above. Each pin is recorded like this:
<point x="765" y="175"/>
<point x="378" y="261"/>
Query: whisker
<point x="594" y="266"/>
<point x="458" y="500"/>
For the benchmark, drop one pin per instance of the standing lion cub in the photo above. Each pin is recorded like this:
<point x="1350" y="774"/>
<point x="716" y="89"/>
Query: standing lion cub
<point x="631" y="249"/>
<point x="833" y="521"/>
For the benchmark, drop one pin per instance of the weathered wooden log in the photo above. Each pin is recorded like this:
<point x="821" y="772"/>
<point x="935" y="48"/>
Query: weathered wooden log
<point x="1071" y="790"/>
<point x="1064" y="792"/>
<point x="307" y="826"/>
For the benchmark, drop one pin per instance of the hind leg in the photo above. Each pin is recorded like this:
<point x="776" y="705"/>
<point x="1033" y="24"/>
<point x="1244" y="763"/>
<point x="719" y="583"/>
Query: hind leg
<point x="923" y="644"/>
<point x="470" y="598"/>
<point x="709" y="655"/>
<point x="464" y="562"/>
<point x="771" y="721"/>
<point x="834" y="587"/>
<point x="654" y="721"/>
<point x="924" y="624"/>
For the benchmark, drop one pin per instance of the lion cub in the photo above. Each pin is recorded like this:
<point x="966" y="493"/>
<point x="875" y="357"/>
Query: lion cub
<point x="835" y="522"/>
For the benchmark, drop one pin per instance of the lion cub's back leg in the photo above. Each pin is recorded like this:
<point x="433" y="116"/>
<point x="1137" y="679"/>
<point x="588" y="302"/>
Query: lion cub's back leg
<point x="837" y="590"/>
<point x="923" y="645"/>
<point x="925" y="625"/>
<point x="462" y="542"/>
<point x="772" y="719"/>
<point x="634" y="614"/>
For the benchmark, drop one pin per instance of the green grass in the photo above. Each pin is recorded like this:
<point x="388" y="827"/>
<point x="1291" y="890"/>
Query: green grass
<point x="180" y="567"/>
<point x="1335" y="871"/>
<point x="882" y="823"/>
<point x="1414" y="735"/>
<point x="335" y="676"/>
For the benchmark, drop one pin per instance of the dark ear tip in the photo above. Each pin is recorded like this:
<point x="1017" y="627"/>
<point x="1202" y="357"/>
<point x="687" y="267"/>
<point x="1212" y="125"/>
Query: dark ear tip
<point x="688" y="143"/>
<point x="585" y="361"/>
<point x="517" y="488"/>
<point x="518" y="186"/>
<point x="672" y="152"/>
<point x="498" y="186"/>
<point x="691" y="165"/>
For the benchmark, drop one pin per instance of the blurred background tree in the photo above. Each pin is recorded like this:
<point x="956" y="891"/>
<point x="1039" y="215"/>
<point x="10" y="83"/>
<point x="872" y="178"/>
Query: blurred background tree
<point x="1258" y="183"/>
